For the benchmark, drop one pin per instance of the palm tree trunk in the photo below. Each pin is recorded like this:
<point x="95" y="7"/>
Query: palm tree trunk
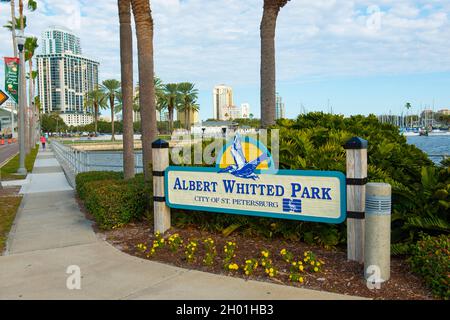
<point x="111" y="103"/>
<point x="267" y="30"/>
<point x="26" y="120"/>
<point x="126" y="59"/>
<point x="30" y="103"/>
<point x="13" y="24"/>
<point x="95" y="119"/>
<point x="189" y="118"/>
<point x="144" y="33"/>
<point x="170" y="119"/>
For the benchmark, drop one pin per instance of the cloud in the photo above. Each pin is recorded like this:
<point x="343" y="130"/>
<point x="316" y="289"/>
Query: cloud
<point x="217" y="41"/>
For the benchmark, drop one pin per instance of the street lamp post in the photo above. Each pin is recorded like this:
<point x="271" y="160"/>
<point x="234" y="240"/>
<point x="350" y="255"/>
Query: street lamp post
<point x="21" y="43"/>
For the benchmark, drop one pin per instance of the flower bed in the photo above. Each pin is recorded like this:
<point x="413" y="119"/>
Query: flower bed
<point x="283" y="262"/>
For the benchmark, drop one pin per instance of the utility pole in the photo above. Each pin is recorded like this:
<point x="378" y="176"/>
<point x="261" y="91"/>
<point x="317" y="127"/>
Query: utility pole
<point x="22" y="100"/>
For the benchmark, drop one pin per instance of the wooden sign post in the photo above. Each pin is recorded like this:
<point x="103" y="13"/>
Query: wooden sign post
<point x="356" y="197"/>
<point x="160" y="154"/>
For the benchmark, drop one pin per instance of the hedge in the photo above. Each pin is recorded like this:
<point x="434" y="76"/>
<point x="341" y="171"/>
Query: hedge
<point x="83" y="178"/>
<point x="112" y="201"/>
<point x="431" y="259"/>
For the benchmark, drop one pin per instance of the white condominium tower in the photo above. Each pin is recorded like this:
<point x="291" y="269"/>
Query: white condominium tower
<point x="65" y="76"/>
<point x="280" y="111"/>
<point x="222" y="100"/>
<point x="245" y="110"/>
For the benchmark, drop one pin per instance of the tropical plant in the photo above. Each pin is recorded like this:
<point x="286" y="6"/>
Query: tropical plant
<point x="110" y="89"/>
<point x="11" y="26"/>
<point x="144" y="34"/>
<point x="267" y="31"/>
<point x="188" y="98"/>
<point x="95" y="100"/>
<point x="172" y="97"/>
<point x="126" y="94"/>
<point x="31" y="44"/>
<point x="161" y="101"/>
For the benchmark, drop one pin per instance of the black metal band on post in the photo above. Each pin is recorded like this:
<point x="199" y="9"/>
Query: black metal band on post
<point x="160" y="144"/>
<point x="356" y="215"/>
<point x="356" y="143"/>
<point x="356" y="181"/>
<point x="158" y="173"/>
<point x="159" y="199"/>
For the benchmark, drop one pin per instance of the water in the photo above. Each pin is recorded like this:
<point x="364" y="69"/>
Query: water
<point x="432" y="145"/>
<point x="111" y="161"/>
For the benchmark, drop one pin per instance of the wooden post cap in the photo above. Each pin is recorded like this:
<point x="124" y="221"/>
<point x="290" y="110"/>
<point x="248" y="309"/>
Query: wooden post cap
<point x="356" y="143"/>
<point x="160" y="144"/>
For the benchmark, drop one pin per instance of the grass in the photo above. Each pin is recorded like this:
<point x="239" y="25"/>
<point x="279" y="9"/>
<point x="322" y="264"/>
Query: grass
<point x="8" y="171"/>
<point x="8" y="211"/>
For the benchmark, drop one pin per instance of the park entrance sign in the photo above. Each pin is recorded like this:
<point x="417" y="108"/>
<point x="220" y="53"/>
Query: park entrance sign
<point x="245" y="182"/>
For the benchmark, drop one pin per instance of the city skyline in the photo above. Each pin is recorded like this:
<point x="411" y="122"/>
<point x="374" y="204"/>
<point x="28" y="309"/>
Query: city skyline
<point x="332" y="54"/>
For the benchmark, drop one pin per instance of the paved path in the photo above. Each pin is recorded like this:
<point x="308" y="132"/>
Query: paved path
<point x="50" y="234"/>
<point x="7" y="151"/>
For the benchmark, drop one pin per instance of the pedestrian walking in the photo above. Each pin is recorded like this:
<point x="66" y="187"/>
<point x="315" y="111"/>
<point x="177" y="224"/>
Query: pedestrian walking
<point x="43" y="141"/>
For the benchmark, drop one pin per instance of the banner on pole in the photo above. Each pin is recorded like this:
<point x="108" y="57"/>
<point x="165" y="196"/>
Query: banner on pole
<point x="12" y="78"/>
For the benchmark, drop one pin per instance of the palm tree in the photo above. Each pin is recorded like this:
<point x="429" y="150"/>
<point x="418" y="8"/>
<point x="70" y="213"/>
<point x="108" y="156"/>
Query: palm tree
<point x="267" y="32"/>
<point x="126" y="94"/>
<point x="161" y="102"/>
<point x="144" y="34"/>
<point x="30" y="48"/>
<point x="172" y="97"/>
<point x="11" y="26"/>
<point x="110" y="89"/>
<point x="188" y="97"/>
<point x="95" y="99"/>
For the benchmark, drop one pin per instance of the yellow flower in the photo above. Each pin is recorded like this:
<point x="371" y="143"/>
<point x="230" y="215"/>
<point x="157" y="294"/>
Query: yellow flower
<point x="301" y="268"/>
<point x="267" y="270"/>
<point x="294" y="263"/>
<point x="318" y="264"/>
<point x="271" y="274"/>
<point x="300" y="279"/>
<point x="247" y="273"/>
<point x="305" y="254"/>
<point x="271" y="270"/>
<point x="283" y="252"/>
<point x="316" y="269"/>
<point x="312" y="263"/>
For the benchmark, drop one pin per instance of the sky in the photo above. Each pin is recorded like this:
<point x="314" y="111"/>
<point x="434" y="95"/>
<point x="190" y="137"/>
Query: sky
<point x="345" y="56"/>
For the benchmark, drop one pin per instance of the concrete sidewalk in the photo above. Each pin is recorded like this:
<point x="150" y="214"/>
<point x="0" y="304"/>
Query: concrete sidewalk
<point x="50" y="234"/>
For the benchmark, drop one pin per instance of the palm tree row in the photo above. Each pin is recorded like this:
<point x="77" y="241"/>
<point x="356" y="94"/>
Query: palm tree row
<point x="30" y="47"/>
<point x="172" y="96"/>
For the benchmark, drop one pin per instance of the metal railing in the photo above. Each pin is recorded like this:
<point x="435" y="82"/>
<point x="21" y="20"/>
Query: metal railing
<point x="80" y="160"/>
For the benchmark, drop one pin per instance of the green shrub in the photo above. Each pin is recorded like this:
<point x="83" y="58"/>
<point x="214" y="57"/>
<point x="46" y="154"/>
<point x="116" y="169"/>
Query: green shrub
<point x="83" y="178"/>
<point x="431" y="259"/>
<point x="117" y="202"/>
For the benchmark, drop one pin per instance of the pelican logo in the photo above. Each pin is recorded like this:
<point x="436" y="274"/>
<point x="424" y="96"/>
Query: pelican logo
<point x="245" y="158"/>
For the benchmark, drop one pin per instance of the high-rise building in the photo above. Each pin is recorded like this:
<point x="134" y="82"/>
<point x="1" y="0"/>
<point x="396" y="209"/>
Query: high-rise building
<point x="222" y="98"/>
<point x="245" y="110"/>
<point x="280" y="111"/>
<point x="65" y="76"/>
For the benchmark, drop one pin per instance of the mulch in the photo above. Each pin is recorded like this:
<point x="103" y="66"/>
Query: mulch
<point x="337" y="275"/>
